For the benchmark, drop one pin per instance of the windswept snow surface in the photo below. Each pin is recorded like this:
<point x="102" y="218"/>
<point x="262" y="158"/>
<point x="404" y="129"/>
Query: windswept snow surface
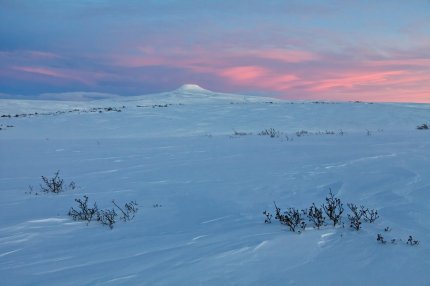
<point x="201" y="191"/>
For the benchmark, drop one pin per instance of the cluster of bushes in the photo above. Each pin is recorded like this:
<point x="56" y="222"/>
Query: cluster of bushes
<point x="96" y="109"/>
<point x="271" y="132"/>
<point x="160" y="105"/>
<point x="84" y="211"/>
<point x="19" y="115"/>
<point x="107" y="217"/>
<point x="241" y="133"/>
<point x="410" y="241"/>
<point x="274" y="133"/>
<point x="5" y="126"/>
<point x="53" y="185"/>
<point x="105" y="109"/>
<point x="301" y="133"/>
<point x="330" y="212"/>
<point x="423" y="126"/>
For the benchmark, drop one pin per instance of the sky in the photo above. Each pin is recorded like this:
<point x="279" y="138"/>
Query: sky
<point x="297" y="50"/>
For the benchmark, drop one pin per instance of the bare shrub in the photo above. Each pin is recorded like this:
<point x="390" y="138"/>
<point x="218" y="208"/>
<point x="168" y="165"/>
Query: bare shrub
<point x="84" y="213"/>
<point x="301" y="133"/>
<point x="369" y="215"/>
<point x="315" y="215"/>
<point x="273" y="133"/>
<point x="333" y="208"/>
<point x="72" y="186"/>
<point x="423" y="126"/>
<point x="355" y="217"/>
<point x="381" y="239"/>
<point x="107" y="217"/>
<point x="411" y="241"/>
<point x="128" y="211"/>
<point x="52" y="185"/>
<point x="239" y="133"/>
<point x="292" y="218"/>
<point x="268" y="216"/>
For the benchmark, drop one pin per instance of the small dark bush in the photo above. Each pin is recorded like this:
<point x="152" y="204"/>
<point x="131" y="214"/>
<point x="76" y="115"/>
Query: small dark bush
<point x="380" y="238"/>
<point x="292" y="218"/>
<point x="369" y="215"/>
<point x="333" y="208"/>
<point x="107" y="217"/>
<point x="83" y="213"/>
<point x="355" y="217"/>
<point x="423" y="126"/>
<point x="128" y="211"/>
<point x="72" y="186"/>
<point x="239" y="133"/>
<point x="31" y="191"/>
<point x="273" y="133"/>
<point x="315" y="215"/>
<point x="268" y="217"/>
<point x="301" y="133"/>
<point x="411" y="241"/>
<point x="52" y="185"/>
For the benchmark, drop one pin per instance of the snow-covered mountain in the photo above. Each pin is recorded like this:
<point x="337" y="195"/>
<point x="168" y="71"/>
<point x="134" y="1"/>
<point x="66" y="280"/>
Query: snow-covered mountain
<point x="194" y="94"/>
<point x="186" y="94"/>
<point x="202" y="175"/>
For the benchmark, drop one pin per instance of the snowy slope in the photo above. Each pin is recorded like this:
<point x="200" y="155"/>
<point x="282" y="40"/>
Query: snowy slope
<point x="194" y="94"/>
<point x="178" y="150"/>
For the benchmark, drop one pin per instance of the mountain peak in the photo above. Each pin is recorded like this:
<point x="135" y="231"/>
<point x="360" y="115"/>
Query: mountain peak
<point x="192" y="87"/>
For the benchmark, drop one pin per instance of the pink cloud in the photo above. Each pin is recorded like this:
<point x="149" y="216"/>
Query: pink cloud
<point x="205" y="59"/>
<point x="28" y="54"/>
<point x="281" y="82"/>
<point x="88" y="78"/>
<point x="355" y="79"/>
<point x="282" y="70"/>
<point x="40" y="70"/>
<point x="382" y="94"/>
<point x="412" y="63"/>
<point x="244" y="74"/>
<point x="195" y="64"/>
<point x="43" y="55"/>
<point x="361" y="83"/>
<point x="289" y="56"/>
<point x="259" y="77"/>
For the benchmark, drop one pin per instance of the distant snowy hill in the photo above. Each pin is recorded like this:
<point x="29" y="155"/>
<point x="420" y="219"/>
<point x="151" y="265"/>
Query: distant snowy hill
<point x="186" y="94"/>
<point x="203" y="166"/>
<point x="194" y="94"/>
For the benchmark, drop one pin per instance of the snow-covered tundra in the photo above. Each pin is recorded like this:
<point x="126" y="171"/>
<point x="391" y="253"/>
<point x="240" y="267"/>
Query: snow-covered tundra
<point x="202" y="175"/>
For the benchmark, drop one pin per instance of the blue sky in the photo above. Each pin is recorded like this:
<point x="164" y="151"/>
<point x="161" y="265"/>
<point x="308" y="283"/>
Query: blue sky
<point x="334" y="50"/>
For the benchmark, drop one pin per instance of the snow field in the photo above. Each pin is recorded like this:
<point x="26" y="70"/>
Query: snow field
<point x="201" y="192"/>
